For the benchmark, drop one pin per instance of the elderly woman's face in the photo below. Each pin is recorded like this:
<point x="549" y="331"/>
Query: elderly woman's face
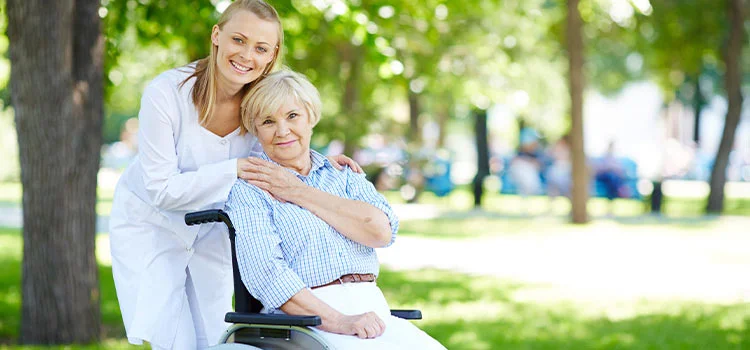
<point x="285" y="135"/>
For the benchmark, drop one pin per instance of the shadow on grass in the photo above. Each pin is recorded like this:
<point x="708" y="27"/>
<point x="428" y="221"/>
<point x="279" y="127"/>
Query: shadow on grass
<point x="480" y="223"/>
<point x="474" y="312"/>
<point x="112" y="329"/>
<point x="464" y="312"/>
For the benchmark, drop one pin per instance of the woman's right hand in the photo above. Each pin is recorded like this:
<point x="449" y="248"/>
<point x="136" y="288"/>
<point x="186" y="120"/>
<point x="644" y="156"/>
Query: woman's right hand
<point x="272" y="178"/>
<point x="365" y="326"/>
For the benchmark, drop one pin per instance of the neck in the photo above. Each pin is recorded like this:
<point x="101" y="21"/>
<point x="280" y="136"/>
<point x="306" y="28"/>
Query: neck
<point x="227" y="92"/>
<point x="301" y="165"/>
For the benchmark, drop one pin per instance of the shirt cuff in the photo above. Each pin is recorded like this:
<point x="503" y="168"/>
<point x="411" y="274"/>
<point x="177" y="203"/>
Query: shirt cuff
<point x="283" y="288"/>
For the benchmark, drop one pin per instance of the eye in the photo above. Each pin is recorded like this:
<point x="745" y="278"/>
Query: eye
<point x="238" y="40"/>
<point x="293" y="115"/>
<point x="267" y="122"/>
<point x="262" y="49"/>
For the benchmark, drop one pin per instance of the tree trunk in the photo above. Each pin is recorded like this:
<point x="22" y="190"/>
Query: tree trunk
<point x="56" y="91"/>
<point x="483" y="161"/>
<point x="580" y="177"/>
<point x="698" y="102"/>
<point x="732" y="82"/>
<point x="351" y="106"/>
<point x="415" y="134"/>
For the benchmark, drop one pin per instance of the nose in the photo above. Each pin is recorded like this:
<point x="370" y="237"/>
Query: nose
<point x="248" y="53"/>
<point x="282" y="129"/>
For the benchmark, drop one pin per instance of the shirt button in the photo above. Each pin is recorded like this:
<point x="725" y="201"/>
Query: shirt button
<point x="223" y="142"/>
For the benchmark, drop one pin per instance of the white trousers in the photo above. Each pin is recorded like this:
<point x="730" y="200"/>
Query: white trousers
<point x="358" y="298"/>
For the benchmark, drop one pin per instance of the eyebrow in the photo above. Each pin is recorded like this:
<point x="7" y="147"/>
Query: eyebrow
<point x="292" y="111"/>
<point x="245" y="36"/>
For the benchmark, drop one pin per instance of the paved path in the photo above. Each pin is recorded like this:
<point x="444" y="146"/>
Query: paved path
<point x="605" y="261"/>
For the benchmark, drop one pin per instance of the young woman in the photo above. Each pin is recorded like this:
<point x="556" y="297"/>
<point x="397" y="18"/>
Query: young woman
<point x="174" y="282"/>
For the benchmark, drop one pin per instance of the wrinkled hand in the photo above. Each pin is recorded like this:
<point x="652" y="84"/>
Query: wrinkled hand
<point x="365" y="326"/>
<point x="270" y="177"/>
<point x="340" y="160"/>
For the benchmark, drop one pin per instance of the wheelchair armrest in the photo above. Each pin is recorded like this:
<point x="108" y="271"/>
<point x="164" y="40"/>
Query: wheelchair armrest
<point x="407" y="314"/>
<point x="272" y="319"/>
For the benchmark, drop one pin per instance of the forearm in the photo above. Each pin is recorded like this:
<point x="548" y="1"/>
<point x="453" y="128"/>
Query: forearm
<point x="191" y="190"/>
<point x="359" y="221"/>
<point x="306" y="303"/>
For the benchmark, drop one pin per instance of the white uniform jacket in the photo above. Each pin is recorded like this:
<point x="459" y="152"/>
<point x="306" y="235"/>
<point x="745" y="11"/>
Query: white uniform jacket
<point x="180" y="167"/>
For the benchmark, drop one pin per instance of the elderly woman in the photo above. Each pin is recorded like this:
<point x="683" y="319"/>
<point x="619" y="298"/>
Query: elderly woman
<point x="313" y="257"/>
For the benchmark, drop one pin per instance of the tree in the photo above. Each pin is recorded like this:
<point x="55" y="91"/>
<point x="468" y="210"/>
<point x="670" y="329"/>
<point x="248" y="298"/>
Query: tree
<point x="732" y="83"/>
<point x="579" y="190"/>
<point x="56" y="92"/>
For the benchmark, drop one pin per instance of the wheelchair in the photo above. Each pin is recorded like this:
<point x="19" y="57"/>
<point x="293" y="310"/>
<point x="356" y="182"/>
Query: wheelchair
<point x="252" y="329"/>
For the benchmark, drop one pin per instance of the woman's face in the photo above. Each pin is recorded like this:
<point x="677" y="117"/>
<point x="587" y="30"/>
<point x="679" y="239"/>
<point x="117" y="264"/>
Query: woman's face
<point x="245" y="47"/>
<point x="285" y="135"/>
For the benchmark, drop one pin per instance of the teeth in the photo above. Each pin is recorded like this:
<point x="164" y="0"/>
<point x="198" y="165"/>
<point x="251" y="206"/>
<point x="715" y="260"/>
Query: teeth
<point x="238" y="66"/>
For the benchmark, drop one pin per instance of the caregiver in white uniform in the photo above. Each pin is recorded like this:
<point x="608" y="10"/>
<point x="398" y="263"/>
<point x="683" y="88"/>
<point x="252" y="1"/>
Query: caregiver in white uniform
<point x="174" y="282"/>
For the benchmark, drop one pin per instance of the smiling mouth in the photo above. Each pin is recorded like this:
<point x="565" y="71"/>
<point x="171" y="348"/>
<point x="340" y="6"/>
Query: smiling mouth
<point x="240" y="67"/>
<point x="286" y="143"/>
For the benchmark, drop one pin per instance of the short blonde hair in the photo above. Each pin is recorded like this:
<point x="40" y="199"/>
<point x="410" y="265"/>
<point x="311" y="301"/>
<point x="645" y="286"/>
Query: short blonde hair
<point x="269" y="94"/>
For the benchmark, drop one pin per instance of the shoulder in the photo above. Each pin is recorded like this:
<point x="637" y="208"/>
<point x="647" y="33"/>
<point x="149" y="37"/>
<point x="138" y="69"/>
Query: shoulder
<point x="172" y="80"/>
<point x="244" y="192"/>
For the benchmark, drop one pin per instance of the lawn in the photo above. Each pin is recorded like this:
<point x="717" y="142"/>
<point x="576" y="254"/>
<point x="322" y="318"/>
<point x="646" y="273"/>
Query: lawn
<point x="679" y="202"/>
<point x="465" y="311"/>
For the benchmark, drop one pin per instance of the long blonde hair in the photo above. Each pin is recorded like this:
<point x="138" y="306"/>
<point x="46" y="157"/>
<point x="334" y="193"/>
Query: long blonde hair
<point x="205" y="74"/>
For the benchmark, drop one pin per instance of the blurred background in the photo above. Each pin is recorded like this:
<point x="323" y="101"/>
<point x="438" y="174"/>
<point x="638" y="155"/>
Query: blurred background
<point x="460" y="113"/>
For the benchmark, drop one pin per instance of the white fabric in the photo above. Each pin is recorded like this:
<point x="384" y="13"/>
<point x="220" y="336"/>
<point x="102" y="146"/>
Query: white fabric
<point x="358" y="298"/>
<point x="180" y="167"/>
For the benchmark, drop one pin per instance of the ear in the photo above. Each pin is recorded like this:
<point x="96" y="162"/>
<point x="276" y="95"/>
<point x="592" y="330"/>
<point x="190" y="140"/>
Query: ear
<point x="215" y="35"/>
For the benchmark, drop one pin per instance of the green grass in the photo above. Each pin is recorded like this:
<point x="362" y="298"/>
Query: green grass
<point x="468" y="312"/>
<point x="11" y="248"/>
<point x="462" y="199"/>
<point x="473" y="312"/>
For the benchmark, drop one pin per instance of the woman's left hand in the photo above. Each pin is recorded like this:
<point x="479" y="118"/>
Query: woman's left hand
<point x="272" y="178"/>
<point x="340" y="160"/>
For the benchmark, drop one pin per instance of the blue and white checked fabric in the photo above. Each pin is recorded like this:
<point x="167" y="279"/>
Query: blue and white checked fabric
<point x="283" y="248"/>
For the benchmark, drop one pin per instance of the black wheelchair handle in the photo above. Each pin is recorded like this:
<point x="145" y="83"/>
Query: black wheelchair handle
<point x="206" y="216"/>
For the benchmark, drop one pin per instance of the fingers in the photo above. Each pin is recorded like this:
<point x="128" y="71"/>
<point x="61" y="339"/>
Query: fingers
<point x="335" y="162"/>
<point x="369" y="326"/>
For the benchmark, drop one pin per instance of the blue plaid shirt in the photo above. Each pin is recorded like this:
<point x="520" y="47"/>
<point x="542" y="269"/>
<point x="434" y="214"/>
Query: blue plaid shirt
<point x="283" y="248"/>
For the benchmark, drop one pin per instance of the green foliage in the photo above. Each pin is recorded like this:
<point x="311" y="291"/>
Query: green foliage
<point x="365" y="56"/>
<point x="682" y="41"/>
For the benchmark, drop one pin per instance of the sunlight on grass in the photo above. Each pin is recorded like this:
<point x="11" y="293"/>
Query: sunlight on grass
<point x="10" y="193"/>
<point x="479" y="312"/>
<point x="466" y="311"/>
<point x="485" y="224"/>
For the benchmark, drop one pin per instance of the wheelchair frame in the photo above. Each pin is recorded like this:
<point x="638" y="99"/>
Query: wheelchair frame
<point x="249" y="326"/>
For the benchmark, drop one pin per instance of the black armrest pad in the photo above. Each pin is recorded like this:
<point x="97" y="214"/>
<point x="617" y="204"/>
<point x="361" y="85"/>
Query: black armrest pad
<point x="275" y="319"/>
<point x="407" y="314"/>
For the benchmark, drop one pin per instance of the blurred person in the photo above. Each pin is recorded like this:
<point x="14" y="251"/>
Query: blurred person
<point x="610" y="173"/>
<point x="526" y="167"/>
<point x="302" y="257"/>
<point x="121" y="153"/>
<point x="174" y="282"/>
<point x="558" y="173"/>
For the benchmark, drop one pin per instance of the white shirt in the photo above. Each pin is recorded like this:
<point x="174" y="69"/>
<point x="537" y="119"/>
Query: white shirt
<point x="181" y="166"/>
